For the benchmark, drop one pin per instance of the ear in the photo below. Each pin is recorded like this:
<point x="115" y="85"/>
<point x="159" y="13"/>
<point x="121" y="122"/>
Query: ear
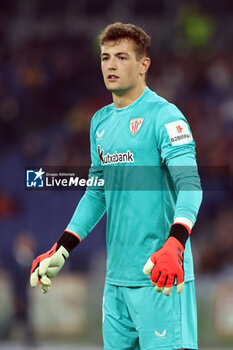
<point x="145" y="64"/>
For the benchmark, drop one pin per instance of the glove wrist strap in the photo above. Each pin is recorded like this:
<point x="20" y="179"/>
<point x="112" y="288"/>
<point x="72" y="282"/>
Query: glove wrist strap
<point x="68" y="240"/>
<point x="180" y="232"/>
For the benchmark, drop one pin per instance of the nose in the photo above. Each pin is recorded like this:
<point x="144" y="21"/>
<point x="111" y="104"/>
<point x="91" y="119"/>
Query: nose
<point x="112" y="64"/>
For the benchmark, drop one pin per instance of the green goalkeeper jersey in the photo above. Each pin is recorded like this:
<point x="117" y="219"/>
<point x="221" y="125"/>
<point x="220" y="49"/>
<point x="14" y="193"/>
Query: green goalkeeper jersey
<point x="145" y="153"/>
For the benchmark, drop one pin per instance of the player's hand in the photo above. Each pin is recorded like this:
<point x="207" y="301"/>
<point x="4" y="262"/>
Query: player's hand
<point x="47" y="266"/>
<point x="165" y="265"/>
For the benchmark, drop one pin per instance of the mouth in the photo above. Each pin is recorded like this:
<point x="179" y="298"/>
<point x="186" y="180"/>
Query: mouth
<point x="112" y="77"/>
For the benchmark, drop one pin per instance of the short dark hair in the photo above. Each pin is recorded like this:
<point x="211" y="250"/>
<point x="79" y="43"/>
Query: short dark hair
<point x="117" y="31"/>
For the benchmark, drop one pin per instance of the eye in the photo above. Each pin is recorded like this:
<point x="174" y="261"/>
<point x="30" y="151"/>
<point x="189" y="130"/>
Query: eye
<point x="122" y="58"/>
<point x="105" y="58"/>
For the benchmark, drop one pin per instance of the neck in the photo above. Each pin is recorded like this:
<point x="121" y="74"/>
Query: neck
<point x="128" y="97"/>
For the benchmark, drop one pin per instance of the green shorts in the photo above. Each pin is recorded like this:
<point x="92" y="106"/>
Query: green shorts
<point x="140" y="318"/>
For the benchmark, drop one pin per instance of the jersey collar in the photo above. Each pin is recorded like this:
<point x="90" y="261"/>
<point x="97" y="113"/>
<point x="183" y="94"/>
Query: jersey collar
<point x="145" y="92"/>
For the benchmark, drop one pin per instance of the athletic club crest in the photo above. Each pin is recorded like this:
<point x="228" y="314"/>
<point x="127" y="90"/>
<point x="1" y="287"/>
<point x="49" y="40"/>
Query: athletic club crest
<point x="135" y="125"/>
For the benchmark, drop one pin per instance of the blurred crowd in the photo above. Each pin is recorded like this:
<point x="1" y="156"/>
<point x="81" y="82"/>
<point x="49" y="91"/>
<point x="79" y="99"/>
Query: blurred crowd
<point x="51" y="85"/>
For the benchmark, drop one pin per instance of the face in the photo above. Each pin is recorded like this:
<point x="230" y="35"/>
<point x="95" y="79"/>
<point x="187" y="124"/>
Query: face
<point x="121" y="69"/>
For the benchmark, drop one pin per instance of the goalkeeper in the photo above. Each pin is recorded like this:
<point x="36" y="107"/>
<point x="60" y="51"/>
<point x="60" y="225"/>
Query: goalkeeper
<point x="148" y="231"/>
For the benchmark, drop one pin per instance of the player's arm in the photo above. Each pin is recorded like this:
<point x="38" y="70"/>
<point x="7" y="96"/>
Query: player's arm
<point x="166" y="265"/>
<point x="87" y="214"/>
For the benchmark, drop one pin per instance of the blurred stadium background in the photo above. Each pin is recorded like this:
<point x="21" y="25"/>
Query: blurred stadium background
<point x="50" y="86"/>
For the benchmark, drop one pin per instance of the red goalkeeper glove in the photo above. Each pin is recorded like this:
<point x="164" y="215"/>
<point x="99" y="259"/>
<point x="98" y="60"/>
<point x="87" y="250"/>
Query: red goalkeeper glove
<point x="47" y="265"/>
<point x="166" y="264"/>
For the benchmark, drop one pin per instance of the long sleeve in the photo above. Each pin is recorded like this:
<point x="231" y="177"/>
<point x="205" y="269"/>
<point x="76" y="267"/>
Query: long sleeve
<point x="91" y="207"/>
<point x="177" y="149"/>
<point x="184" y="172"/>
